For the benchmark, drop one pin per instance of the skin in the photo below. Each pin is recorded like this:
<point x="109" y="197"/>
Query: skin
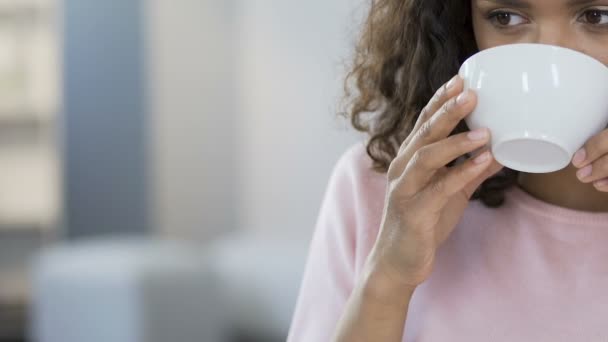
<point x="578" y="25"/>
<point x="418" y="182"/>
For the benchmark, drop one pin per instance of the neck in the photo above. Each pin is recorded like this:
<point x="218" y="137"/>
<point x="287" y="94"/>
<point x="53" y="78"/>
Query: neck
<point x="562" y="188"/>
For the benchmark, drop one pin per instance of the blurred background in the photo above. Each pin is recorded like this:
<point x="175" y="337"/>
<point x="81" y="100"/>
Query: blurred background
<point x="162" y="163"/>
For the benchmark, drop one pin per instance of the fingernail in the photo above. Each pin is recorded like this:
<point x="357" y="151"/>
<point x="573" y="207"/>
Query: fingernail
<point x="452" y="82"/>
<point x="585" y="172"/>
<point x="579" y="157"/>
<point x="463" y="98"/>
<point x="482" y="158"/>
<point x="478" y="134"/>
<point x="602" y="183"/>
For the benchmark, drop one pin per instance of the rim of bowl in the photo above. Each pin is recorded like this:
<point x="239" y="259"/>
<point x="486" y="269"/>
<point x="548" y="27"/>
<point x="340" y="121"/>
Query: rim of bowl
<point x="542" y="46"/>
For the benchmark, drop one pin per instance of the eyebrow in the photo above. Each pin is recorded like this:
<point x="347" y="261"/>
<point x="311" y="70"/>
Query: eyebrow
<point x="523" y="4"/>
<point x="577" y="3"/>
<point x="516" y="3"/>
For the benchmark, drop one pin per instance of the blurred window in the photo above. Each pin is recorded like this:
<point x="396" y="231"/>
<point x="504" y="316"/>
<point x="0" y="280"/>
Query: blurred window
<point x="30" y="203"/>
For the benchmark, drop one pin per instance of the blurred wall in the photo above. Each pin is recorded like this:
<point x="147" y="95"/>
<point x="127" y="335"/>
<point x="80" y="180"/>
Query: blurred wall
<point x="193" y="134"/>
<point x="290" y="77"/>
<point x="243" y="96"/>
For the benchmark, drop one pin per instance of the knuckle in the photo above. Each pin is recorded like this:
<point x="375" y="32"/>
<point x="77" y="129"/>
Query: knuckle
<point x="436" y="95"/>
<point x="445" y="110"/>
<point x="393" y="170"/>
<point x="443" y="92"/>
<point x="439" y="93"/>
<point x="395" y="192"/>
<point x="415" y="160"/>
<point x="421" y="157"/>
<point x="439" y="98"/>
<point x="425" y="114"/>
<point x="426" y="130"/>
<point x="437" y="187"/>
<point x="462" y="142"/>
<point x="450" y="110"/>
<point x="399" y="193"/>
<point x="392" y="191"/>
<point x="431" y="107"/>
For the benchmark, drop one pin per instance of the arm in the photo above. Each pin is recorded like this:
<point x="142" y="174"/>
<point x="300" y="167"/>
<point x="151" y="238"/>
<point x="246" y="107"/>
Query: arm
<point x="376" y="311"/>
<point x="425" y="201"/>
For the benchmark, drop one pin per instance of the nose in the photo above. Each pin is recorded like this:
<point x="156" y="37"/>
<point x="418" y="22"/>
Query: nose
<point x="553" y="34"/>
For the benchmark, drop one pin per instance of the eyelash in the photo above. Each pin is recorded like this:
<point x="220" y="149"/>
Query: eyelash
<point x="493" y="17"/>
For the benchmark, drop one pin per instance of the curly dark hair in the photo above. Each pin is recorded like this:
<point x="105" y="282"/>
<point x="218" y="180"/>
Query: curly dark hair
<point x="406" y="51"/>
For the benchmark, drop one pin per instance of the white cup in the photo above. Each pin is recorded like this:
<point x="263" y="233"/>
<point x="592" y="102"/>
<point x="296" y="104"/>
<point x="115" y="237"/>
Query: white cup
<point x="540" y="102"/>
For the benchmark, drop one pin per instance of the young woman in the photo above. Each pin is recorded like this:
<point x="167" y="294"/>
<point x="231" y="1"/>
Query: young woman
<point x="422" y="236"/>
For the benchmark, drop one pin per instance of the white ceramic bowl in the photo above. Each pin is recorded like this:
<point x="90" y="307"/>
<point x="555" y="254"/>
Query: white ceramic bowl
<point x="540" y="102"/>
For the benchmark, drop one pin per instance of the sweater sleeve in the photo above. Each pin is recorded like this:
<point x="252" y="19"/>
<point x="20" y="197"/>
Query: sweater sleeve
<point x="330" y="269"/>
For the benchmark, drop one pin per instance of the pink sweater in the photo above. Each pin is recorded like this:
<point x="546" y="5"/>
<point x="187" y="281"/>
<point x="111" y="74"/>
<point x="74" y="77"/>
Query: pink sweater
<point x="528" y="271"/>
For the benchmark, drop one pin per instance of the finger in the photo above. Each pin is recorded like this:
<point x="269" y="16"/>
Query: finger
<point x="595" y="148"/>
<point x="596" y="171"/>
<point x="437" y="128"/>
<point x="445" y="120"/>
<point x="449" y="90"/>
<point x="425" y="162"/>
<point x="601" y="185"/>
<point x="456" y="179"/>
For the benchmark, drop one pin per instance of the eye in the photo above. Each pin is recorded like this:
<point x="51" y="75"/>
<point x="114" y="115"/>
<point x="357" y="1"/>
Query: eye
<point x="505" y="19"/>
<point x="594" y="17"/>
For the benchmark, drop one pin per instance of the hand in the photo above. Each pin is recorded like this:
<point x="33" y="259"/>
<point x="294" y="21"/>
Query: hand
<point x="592" y="161"/>
<point x="425" y="199"/>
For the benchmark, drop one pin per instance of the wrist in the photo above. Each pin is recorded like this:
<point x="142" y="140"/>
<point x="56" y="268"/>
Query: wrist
<point x="378" y="286"/>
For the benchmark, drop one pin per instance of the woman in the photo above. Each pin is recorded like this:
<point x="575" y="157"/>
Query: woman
<point x="421" y="236"/>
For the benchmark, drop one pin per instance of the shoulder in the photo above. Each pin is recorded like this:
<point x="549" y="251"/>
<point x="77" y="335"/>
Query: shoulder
<point x="357" y="196"/>
<point x="355" y="180"/>
<point x="350" y="214"/>
<point x="355" y="189"/>
<point x="356" y="167"/>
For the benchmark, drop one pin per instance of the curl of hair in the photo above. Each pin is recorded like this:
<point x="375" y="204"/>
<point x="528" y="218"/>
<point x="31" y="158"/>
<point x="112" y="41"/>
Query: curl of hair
<point x="406" y="51"/>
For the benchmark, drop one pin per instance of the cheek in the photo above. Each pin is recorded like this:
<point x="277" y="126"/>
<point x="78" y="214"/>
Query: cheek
<point x="592" y="44"/>
<point x="483" y="41"/>
<point x="598" y="51"/>
<point x="487" y="37"/>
